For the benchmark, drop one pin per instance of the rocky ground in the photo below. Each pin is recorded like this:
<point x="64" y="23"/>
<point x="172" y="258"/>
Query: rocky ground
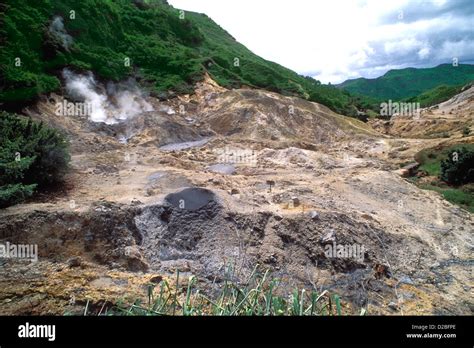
<point x="239" y="177"/>
<point x="445" y="120"/>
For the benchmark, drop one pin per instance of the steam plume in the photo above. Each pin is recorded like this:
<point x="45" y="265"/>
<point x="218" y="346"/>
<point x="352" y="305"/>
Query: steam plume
<point x="57" y="29"/>
<point x="118" y="102"/>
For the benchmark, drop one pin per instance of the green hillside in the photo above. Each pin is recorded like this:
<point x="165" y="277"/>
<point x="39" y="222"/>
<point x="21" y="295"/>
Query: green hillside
<point x="436" y="95"/>
<point x="410" y="82"/>
<point x="168" y="53"/>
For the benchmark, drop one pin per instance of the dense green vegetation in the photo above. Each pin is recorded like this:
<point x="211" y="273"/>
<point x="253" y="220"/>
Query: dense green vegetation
<point x="169" y="50"/>
<point x="31" y="156"/>
<point x="411" y="82"/>
<point x="458" y="168"/>
<point x="105" y="34"/>
<point x="454" y="174"/>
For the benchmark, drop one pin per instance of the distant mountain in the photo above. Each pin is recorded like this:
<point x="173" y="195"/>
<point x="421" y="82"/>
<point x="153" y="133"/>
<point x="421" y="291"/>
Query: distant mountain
<point x="410" y="82"/>
<point x="168" y="51"/>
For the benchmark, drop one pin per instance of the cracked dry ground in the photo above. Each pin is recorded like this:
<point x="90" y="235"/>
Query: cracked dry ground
<point x="117" y="224"/>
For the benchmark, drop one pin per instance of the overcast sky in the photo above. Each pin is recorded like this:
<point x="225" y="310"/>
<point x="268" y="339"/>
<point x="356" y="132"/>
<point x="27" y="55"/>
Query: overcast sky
<point x="335" y="40"/>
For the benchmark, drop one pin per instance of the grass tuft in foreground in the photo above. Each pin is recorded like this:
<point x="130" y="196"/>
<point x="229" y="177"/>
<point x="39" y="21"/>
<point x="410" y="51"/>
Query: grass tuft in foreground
<point x="260" y="295"/>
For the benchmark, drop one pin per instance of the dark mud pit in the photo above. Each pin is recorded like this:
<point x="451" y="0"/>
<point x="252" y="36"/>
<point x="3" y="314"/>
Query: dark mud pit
<point x="192" y="198"/>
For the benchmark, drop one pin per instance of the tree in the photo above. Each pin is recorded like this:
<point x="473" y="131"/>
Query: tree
<point x="31" y="156"/>
<point x="458" y="168"/>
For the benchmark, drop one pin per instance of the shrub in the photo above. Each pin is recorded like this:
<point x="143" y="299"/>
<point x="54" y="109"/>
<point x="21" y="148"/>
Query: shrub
<point x="466" y="131"/>
<point x="458" y="168"/>
<point x="31" y="156"/>
<point x="13" y="194"/>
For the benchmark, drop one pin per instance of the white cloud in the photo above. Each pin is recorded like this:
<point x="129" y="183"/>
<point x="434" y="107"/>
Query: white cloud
<point x="424" y="52"/>
<point x="403" y="46"/>
<point x="451" y="49"/>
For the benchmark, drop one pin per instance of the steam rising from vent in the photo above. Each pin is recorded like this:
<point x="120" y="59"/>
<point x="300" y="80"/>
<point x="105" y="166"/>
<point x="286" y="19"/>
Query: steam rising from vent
<point x="117" y="102"/>
<point x="57" y="30"/>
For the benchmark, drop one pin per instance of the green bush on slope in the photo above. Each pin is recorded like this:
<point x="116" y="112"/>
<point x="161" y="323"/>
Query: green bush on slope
<point x="458" y="168"/>
<point x="31" y="156"/>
